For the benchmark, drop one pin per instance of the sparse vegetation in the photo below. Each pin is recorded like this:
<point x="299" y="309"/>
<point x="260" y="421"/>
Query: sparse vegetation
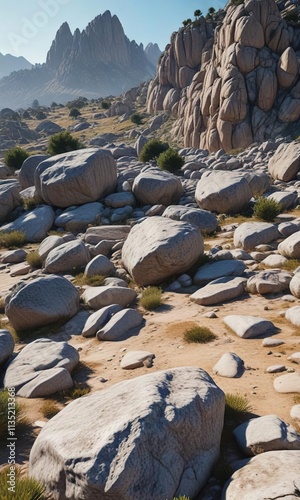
<point x="170" y="160"/>
<point x="34" y="260"/>
<point x="96" y="280"/>
<point x="291" y="265"/>
<point x="30" y="203"/>
<point x="151" y="298"/>
<point x="152" y="149"/>
<point x="74" y="113"/>
<point x="267" y="209"/>
<point x="25" y="488"/>
<point x="15" y="157"/>
<point x="199" y="335"/>
<point x="49" y="409"/>
<point x="12" y="239"/>
<point x="136" y="118"/>
<point x="63" y="142"/>
<point x="77" y="391"/>
<point x="236" y="406"/>
<point x="105" y="104"/>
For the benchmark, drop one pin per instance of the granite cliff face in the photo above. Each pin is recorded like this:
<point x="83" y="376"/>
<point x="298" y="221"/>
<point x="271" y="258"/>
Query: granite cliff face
<point x="98" y="61"/>
<point x="234" y="84"/>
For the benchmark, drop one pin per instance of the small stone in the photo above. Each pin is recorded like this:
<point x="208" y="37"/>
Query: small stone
<point x="276" y="369"/>
<point x="270" y="342"/>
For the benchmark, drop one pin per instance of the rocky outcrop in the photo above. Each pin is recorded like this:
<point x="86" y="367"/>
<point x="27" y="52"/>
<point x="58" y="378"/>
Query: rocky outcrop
<point x="95" y="62"/>
<point x="242" y="84"/>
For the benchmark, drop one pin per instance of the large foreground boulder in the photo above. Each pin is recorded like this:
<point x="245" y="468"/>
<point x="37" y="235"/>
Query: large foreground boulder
<point x="271" y="475"/>
<point x="159" y="247"/>
<point x="76" y="178"/>
<point x="41" y="302"/>
<point x="153" y="437"/>
<point x="285" y="163"/>
<point x="222" y="192"/>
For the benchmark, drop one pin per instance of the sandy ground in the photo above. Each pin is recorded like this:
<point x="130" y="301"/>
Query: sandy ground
<point x="162" y="334"/>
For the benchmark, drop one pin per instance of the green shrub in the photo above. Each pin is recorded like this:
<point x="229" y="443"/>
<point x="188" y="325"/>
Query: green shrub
<point x="74" y="112"/>
<point x="34" y="260"/>
<point x="30" y="203"/>
<point x="136" y="118"/>
<point x="4" y="401"/>
<point x="25" y="488"/>
<point x="12" y="239"/>
<point x="15" y="157"/>
<point x="63" y="142"/>
<point x="49" y="409"/>
<point x="152" y="149"/>
<point x="199" y="334"/>
<point x="267" y="209"/>
<point x="170" y="160"/>
<point x="151" y="298"/>
<point x="105" y="104"/>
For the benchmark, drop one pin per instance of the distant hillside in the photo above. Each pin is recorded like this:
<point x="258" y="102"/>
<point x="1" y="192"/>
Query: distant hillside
<point x="9" y="63"/>
<point x="96" y="62"/>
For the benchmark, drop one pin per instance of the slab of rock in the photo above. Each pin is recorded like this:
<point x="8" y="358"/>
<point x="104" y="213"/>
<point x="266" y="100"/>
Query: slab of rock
<point x="155" y="186"/>
<point x="7" y="345"/>
<point x="220" y="290"/>
<point x="248" y="327"/>
<point x="276" y="369"/>
<point x="42" y="368"/>
<point x="251" y="234"/>
<point x="98" y="319"/>
<point x="20" y="269"/>
<point x="230" y="365"/>
<point x="214" y="270"/>
<point x="295" y="358"/>
<point x="206" y="221"/>
<point x="118" y="200"/>
<point x="137" y="359"/>
<point x="34" y="224"/>
<point x="267" y="433"/>
<point x="293" y="315"/>
<point x="9" y="199"/>
<point x="99" y="265"/>
<point x="66" y="257"/>
<point x="97" y="234"/>
<point x="97" y="297"/>
<point x="288" y="383"/>
<point x="272" y="342"/>
<point x="175" y="406"/>
<point x="27" y="170"/>
<point x="286" y="199"/>
<point x="120" y="325"/>
<point x="77" y="219"/>
<point x="274" y="261"/>
<point x="41" y="302"/>
<point x="285" y="163"/>
<point x="14" y="256"/>
<point x="290" y="247"/>
<point x="222" y="192"/>
<point x="278" y="473"/>
<point x="76" y="178"/>
<point x="158" y="248"/>
<point x="48" y="244"/>
<point x="265" y="282"/>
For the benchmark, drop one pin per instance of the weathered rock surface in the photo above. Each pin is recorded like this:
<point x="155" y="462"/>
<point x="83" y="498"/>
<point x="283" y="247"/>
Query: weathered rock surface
<point x="137" y="359"/>
<point x="101" y="296"/>
<point x="94" y="235"/>
<point x="27" y="171"/>
<point x="120" y="325"/>
<point x="34" y="224"/>
<point x="219" y="290"/>
<point x="248" y="327"/>
<point x="264" y="282"/>
<point x="67" y="256"/>
<point x="77" y="219"/>
<point x="285" y="163"/>
<point x="99" y="265"/>
<point x="159" y="247"/>
<point x="42" y="368"/>
<point x="267" y="433"/>
<point x="230" y="365"/>
<point x="278" y="473"/>
<point x="249" y="235"/>
<point x="174" y="406"/>
<point x="290" y="247"/>
<point x="206" y="221"/>
<point x="9" y="199"/>
<point x="219" y="269"/>
<point x="76" y="178"/>
<point x="41" y="302"/>
<point x="98" y="319"/>
<point x="288" y="383"/>
<point x="156" y="186"/>
<point x="222" y="192"/>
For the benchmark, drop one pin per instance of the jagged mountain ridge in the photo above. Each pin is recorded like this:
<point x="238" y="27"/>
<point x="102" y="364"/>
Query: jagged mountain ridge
<point x="10" y="63"/>
<point x="96" y="62"/>
<point x="242" y="84"/>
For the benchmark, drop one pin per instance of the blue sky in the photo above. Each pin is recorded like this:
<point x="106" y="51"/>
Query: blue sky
<point x="29" y="26"/>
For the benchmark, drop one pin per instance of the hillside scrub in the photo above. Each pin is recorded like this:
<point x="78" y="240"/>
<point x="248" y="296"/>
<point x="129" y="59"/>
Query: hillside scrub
<point x="63" y="142"/>
<point x="170" y="160"/>
<point x="152" y="149"/>
<point x="15" y="157"/>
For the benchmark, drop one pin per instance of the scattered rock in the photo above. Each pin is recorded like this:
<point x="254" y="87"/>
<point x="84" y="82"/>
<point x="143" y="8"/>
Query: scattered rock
<point x="137" y="359"/>
<point x="287" y="383"/>
<point x="101" y="296"/>
<point x="98" y="319"/>
<point x="230" y="365"/>
<point x="120" y="325"/>
<point x="220" y="290"/>
<point x="248" y="327"/>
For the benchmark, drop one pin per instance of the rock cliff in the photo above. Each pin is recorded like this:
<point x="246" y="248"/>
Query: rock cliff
<point x="234" y="82"/>
<point x="98" y="61"/>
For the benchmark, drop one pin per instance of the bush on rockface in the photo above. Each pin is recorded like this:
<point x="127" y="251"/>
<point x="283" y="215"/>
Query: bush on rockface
<point x="170" y="160"/>
<point x="15" y="157"/>
<point x="152" y="149"/>
<point x="267" y="209"/>
<point x="63" y="142"/>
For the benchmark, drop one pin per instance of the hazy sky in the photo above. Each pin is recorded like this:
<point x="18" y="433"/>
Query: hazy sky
<point x="29" y="26"/>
